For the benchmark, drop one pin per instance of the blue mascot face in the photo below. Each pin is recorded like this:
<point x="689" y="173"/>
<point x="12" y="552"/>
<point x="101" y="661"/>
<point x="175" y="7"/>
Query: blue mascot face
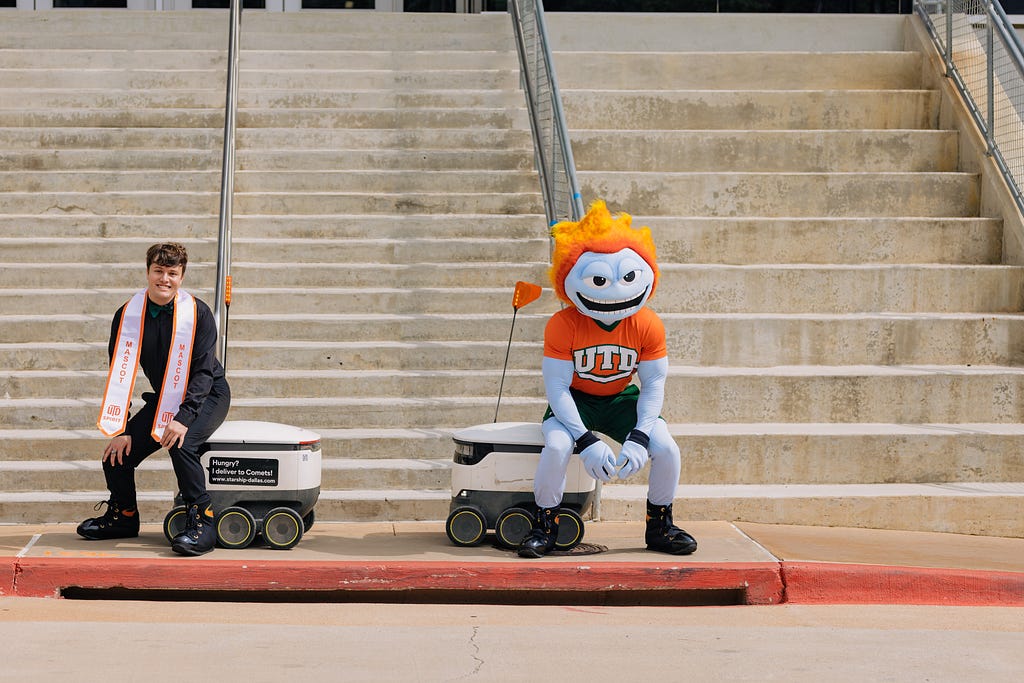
<point x="609" y="287"/>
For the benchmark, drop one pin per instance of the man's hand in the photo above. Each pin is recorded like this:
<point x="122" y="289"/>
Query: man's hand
<point x="174" y="435"/>
<point x="599" y="460"/>
<point x="117" y="448"/>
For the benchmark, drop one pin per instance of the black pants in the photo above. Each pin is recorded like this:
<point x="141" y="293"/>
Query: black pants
<point x="187" y="467"/>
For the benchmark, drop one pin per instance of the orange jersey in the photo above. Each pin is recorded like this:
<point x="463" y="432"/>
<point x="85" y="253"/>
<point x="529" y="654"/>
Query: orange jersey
<point x="604" y="361"/>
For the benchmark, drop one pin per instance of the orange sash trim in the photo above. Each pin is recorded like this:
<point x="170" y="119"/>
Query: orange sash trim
<point x="124" y="366"/>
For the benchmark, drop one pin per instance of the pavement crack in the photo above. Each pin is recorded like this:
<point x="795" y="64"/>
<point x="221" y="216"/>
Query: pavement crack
<point x="478" y="662"/>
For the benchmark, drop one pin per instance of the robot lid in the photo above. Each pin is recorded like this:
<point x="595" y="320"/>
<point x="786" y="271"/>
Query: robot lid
<point x="511" y="433"/>
<point x="253" y="432"/>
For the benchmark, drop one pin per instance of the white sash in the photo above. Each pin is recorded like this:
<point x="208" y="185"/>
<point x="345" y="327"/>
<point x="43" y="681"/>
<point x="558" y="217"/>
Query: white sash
<point x="125" y="364"/>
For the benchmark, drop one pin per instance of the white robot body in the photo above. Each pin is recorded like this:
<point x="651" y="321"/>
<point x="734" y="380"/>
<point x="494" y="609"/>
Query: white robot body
<point x="492" y="486"/>
<point x="263" y="479"/>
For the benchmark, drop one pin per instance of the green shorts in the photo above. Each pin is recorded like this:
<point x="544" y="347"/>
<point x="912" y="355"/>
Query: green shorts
<point x="614" y="416"/>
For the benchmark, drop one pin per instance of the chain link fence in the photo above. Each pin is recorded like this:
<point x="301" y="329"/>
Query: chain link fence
<point x="983" y="56"/>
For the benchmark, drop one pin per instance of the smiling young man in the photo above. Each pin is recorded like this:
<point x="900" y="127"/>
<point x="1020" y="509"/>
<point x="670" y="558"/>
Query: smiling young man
<point x="172" y="336"/>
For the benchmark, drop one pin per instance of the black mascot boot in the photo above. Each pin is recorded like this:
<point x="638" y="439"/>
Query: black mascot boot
<point x="116" y="522"/>
<point x="200" y="534"/>
<point x="542" y="537"/>
<point x="665" y="537"/>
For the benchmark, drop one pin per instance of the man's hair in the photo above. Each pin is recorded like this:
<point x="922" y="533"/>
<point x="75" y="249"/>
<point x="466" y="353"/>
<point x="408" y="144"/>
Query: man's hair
<point x="167" y="254"/>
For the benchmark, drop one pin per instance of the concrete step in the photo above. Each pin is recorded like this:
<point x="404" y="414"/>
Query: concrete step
<point x="28" y="138"/>
<point x="711" y="32"/>
<point x="439" y="398"/>
<point x="150" y="203"/>
<point x="756" y="453"/>
<point x="684" y="289"/>
<point x="988" y="509"/>
<point x="757" y="109"/>
<point x="311" y="341"/>
<point x="734" y="194"/>
<point x="432" y="412"/>
<point x="470" y="226"/>
<point x="112" y="118"/>
<point x="265" y="160"/>
<point x="965" y="508"/>
<point x="869" y="239"/>
<point x="454" y="287"/>
<point x="146" y="78"/>
<point x="766" y="151"/>
<point x="67" y="160"/>
<point x="253" y="102"/>
<point x="265" y="138"/>
<point x="278" y="181"/>
<point x="738" y="70"/>
<point x="786" y="194"/>
<point x="435" y="117"/>
<point x="41" y="57"/>
<point x="140" y="78"/>
<point x="680" y="239"/>
<point x="52" y="250"/>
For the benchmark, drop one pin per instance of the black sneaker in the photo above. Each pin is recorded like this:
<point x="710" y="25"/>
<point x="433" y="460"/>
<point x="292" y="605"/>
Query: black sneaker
<point x="542" y="537"/>
<point x="665" y="537"/>
<point x="200" y="534"/>
<point x="116" y="522"/>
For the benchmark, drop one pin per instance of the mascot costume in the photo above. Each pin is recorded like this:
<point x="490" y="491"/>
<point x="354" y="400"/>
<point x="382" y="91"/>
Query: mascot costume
<point x="606" y="271"/>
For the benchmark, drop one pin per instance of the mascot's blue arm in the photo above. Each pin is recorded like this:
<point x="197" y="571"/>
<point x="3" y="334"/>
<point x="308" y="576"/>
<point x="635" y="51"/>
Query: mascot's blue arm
<point x="652" y="374"/>
<point x="557" y="378"/>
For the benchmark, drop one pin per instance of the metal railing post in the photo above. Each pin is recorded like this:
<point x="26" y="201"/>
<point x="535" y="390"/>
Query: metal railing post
<point x="948" y="52"/>
<point x="990" y="80"/>
<point x="222" y="296"/>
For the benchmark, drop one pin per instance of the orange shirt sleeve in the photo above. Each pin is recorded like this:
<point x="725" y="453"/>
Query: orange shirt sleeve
<point x="558" y="336"/>
<point x="653" y="345"/>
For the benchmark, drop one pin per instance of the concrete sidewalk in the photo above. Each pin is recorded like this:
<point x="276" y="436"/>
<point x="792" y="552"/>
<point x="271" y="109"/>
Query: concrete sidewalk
<point x="414" y="562"/>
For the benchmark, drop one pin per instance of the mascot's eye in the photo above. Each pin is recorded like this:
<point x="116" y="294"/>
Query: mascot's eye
<point x="599" y="281"/>
<point x="630" y="276"/>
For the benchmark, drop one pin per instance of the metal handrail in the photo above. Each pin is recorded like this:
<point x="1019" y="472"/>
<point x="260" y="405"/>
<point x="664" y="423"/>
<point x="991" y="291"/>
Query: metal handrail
<point x="222" y="296"/>
<point x="553" y="151"/>
<point x="994" y="97"/>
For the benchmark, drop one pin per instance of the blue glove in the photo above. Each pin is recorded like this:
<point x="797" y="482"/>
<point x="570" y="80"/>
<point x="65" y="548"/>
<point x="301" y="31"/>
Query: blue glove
<point x="598" y="458"/>
<point x="634" y="453"/>
<point x="634" y="456"/>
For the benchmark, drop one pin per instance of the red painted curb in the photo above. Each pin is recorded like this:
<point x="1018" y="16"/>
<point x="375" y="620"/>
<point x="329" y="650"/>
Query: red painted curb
<point x="7" y="582"/>
<point x="760" y="583"/>
<point x="814" y="583"/>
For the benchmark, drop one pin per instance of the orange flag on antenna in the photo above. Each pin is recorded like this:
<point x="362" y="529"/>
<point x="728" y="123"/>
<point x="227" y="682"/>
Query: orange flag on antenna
<point x="525" y="293"/>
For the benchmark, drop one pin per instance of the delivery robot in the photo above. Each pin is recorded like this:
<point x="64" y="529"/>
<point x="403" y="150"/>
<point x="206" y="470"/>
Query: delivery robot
<point x="263" y="479"/>
<point x="492" y="487"/>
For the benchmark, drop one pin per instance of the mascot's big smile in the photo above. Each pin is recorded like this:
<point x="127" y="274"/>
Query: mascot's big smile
<point x="619" y="306"/>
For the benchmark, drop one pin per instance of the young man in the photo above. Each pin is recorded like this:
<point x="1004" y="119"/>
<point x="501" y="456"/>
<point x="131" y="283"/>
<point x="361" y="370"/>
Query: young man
<point x="172" y="336"/>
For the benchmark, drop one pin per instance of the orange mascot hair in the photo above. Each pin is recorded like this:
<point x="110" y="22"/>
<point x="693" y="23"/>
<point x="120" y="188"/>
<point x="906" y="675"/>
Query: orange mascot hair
<point x="601" y="233"/>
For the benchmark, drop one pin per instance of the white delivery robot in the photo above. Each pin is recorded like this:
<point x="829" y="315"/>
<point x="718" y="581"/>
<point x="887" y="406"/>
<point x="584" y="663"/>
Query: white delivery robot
<point x="263" y="479"/>
<point x="492" y="487"/>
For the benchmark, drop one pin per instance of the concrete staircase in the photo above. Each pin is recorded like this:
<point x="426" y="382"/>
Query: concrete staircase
<point x="845" y="337"/>
<point x="844" y="334"/>
<point x="386" y="204"/>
